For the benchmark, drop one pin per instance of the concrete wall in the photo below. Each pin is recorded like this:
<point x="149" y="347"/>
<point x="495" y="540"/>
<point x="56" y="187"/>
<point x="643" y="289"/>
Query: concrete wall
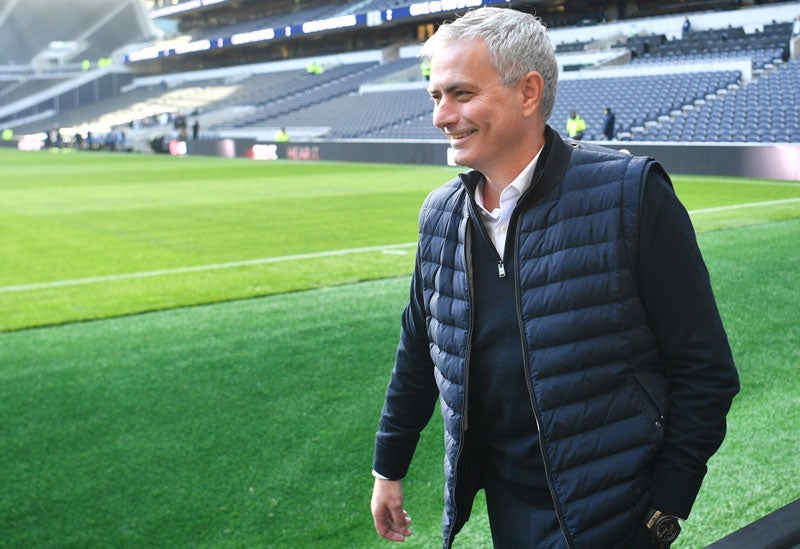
<point x="778" y="161"/>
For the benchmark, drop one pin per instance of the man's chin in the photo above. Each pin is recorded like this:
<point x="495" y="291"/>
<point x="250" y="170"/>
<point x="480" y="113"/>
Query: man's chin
<point x="460" y="157"/>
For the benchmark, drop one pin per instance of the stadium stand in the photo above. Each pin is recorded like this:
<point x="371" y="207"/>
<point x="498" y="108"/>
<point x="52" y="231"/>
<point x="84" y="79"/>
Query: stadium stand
<point x="25" y="87"/>
<point x="324" y="101"/>
<point x="379" y="115"/>
<point x="28" y="29"/>
<point x="729" y="84"/>
<point x="765" y="110"/>
<point x="729" y="43"/>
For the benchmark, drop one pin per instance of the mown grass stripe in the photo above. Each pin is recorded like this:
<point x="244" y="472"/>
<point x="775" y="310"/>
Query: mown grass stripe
<point x="199" y="268"/>
<point x="296" y="257"/>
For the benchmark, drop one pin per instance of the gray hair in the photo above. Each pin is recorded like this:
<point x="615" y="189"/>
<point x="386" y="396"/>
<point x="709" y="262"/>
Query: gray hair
<point x="517" y="43"/>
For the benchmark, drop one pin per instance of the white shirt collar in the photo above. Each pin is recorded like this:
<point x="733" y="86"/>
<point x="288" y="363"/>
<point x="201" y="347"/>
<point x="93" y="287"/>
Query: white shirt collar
<point x="514" y="190"/>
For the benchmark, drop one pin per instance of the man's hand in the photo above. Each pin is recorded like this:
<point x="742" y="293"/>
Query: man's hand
<point x="391" y="520"/>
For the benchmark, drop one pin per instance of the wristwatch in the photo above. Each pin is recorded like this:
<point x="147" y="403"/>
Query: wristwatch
<point x="664" y="529"/>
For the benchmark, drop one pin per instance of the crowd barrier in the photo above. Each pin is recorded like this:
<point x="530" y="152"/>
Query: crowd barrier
<point x="778" y="530"/>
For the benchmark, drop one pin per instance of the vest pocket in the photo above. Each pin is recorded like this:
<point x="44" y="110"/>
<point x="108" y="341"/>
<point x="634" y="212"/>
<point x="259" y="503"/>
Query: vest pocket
<point x="654" y="386"/>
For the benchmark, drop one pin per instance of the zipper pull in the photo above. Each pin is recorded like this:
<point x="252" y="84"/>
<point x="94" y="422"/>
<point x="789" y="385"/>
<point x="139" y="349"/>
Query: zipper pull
<point x="501" y="270"/>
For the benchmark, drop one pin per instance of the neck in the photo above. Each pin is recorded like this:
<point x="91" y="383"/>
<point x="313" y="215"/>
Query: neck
<point x="496" y="182"/>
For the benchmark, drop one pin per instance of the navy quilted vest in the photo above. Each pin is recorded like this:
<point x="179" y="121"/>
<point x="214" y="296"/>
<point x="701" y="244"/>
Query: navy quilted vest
<point x="594" y="370"/>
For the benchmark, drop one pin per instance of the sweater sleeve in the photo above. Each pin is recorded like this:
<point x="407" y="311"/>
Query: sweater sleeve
<point x="677" y="295"/>
<point x="411" y="395"/>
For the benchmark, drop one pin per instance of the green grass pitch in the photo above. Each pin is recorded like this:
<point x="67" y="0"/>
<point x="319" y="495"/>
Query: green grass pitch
<point x="193" y="351"/>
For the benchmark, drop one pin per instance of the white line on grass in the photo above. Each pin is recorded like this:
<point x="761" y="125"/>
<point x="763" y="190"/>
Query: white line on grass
<point x="748" y="205"/>
<point x="392" y="248"/>
<point x="771" y="183"/>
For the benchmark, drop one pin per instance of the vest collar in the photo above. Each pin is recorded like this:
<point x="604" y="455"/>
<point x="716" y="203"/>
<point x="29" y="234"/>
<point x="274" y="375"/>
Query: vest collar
<point x="550" y="168"/>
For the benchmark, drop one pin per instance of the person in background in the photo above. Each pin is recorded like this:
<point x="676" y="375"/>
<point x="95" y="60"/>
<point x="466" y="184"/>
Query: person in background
<point x="315" y="68"/>
<point x="609" y="120"/>
<point x="560" y="312"/>
<point x="686" y="27"/>
<point x="179" y="123"/>
<point x="281" y="136"/>
<point x="425" y="69"/>
<point x="576" y="126"/>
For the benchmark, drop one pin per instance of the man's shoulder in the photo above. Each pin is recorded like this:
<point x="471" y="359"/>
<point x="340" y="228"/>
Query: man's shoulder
<point x="594" y="166"/>
<point x="453" y="190"/>
<point x="599" y="152"/>
<point x="591" y="153"/>
<point x="444" y="201"/>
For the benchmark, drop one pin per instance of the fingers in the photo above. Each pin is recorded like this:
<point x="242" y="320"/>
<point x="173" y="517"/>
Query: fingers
<point x="394" y="527"/>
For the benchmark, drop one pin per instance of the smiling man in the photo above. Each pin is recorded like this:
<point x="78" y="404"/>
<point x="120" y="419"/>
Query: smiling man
<point x="560" y="311"/>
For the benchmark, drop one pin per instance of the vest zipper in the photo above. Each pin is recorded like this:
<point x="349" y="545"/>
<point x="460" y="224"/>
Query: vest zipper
<point x="526" y="365"/>
<point x="501" y="268"/>
<point x="470" y="282"/>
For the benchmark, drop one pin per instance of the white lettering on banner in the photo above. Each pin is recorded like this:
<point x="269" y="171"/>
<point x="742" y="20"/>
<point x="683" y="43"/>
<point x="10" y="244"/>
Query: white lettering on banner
<point x="253" y="36"/>
<point x="330" y="24"/>
<point x="426" y="8"/>
<point x="263" y="152"/>
<point x="199" y="45"/>
<point x="28" y="143"/>
<point x="302" y="153"/>
<point x="374" y="18"/>
<point x="419" y="9"/>
<point x="144" y="54"/>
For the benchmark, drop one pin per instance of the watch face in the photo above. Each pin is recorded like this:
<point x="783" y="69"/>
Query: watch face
<point x="667" y="529"/>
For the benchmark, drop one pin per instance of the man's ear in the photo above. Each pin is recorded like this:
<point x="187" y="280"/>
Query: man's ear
<point x="532" y="87"/>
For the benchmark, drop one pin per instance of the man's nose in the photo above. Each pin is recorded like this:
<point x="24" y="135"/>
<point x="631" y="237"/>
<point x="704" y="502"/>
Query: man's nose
<point x="444" y="113"/>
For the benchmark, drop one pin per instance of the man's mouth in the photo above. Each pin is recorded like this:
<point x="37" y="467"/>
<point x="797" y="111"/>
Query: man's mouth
<point x="459" y="135"/>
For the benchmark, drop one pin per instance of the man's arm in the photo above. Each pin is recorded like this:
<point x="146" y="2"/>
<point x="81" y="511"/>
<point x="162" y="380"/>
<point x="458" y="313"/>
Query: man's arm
<point x="679" y="301"/>
<point x="410" y="401"/>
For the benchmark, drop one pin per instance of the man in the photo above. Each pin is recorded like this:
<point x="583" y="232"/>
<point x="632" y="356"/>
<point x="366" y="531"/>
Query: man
<point x="575" y="126"/>
<point x="425" y="69"/>
<point x="609" y="120"/>
<point x="561" y="313"/>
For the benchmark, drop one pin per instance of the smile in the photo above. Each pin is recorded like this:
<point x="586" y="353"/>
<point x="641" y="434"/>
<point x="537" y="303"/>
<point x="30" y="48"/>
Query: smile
<point x="457" y="136"/>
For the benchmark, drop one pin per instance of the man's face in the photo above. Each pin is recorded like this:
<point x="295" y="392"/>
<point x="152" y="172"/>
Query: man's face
<point x="481" y="116"/>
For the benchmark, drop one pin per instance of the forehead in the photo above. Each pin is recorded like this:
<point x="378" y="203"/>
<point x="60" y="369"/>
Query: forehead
<point x="461" y="61"/>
